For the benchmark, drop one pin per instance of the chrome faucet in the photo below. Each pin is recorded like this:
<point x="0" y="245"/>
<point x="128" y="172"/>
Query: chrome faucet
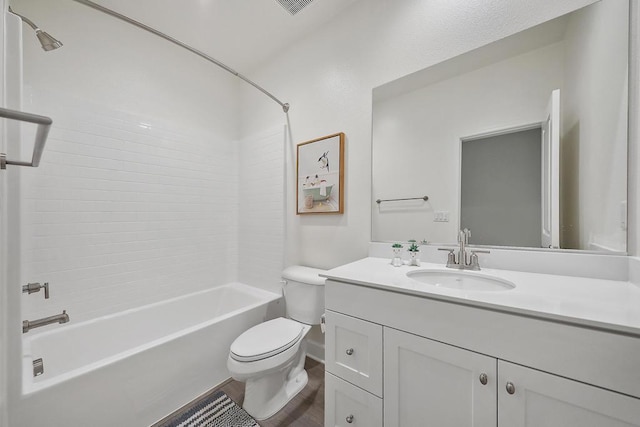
<point x="463" y="241"/>
<point x="27" y="325"/>
<point x="464" y="260"/>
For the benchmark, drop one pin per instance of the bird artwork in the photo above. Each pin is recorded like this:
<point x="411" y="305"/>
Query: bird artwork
<point x="324" y="161"/>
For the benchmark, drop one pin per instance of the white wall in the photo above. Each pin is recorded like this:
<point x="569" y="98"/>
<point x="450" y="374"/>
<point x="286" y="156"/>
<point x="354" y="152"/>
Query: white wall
<point x="595" y="101"/>
<point x="328" y="78"/>
<point x="10" y="209"/>
<point x="118" y="215"/>
<point x="417" y="138"/>
<point x="136" y="198"/>
<point x="261" y="209"/>
<point x="3" y="240"/>
<point x="634" y="134"/>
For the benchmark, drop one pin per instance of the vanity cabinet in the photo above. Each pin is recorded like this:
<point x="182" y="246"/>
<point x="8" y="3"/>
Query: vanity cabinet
<point x="428" y="380"/>
<point x="354" y="351"/>
<point x="456" y="387"/>
<point x="447" y="364"/>
<point x="530" y="398"/>
<point x="347" y="405"/>
<point x="353" y="365"/>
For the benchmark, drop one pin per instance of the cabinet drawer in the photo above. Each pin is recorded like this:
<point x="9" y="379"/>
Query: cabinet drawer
<point x="346" y="405"/>
<point x="353" y="351"/>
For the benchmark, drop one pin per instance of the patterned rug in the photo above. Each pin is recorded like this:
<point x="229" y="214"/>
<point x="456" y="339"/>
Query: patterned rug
<point x="215" y="410"/>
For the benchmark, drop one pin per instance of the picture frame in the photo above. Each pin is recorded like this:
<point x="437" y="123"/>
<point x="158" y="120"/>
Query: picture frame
<point x="320" y="175"/>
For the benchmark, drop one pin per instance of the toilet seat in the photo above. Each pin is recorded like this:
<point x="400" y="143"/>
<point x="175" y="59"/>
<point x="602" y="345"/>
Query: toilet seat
<point x="266" y="340"/>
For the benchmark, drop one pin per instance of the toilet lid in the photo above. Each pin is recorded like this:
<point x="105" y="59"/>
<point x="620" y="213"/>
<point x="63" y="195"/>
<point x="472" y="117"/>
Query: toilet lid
<point x="266" y="339"/>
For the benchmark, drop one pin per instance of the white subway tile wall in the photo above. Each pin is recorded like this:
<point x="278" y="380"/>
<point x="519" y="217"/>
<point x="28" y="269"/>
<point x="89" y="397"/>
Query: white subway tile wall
<point x="125" y="211"/>
<point x="261" y="213"/>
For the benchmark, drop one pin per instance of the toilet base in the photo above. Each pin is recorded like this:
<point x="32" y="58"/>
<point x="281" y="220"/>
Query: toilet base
<point x="261" y="401"/>
<point x="272" y="382"/>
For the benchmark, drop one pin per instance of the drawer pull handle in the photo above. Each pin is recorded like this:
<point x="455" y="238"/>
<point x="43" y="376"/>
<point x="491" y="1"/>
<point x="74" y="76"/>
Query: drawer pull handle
<point x="483" y="379"/>
<point x="349" y="351"/>
<point x="349" y="419"/>
<point x="511" y="389"/>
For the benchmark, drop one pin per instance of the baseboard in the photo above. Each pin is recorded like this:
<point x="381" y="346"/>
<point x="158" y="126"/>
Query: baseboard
<point x="634" y="270"/>
<point x="315" y="351"/>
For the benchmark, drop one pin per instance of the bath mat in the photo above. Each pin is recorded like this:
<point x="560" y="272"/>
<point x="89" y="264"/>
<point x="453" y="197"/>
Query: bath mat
<point x="215" y="410"/>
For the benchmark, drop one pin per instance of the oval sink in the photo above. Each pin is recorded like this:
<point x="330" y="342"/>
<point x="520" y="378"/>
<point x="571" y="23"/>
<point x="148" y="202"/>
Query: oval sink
<point x="461" y="280"/>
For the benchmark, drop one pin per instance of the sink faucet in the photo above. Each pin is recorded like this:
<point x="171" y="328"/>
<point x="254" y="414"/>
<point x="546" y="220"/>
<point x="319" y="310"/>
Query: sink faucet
<point x="464" y="260"/>
<point x="463" y="241"/>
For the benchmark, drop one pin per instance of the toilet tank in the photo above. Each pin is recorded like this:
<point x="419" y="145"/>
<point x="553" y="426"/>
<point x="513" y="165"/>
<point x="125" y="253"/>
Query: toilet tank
<point x="304" y="293"/>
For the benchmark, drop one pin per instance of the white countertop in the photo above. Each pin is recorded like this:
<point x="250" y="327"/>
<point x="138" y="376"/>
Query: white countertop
<point x="596" y="303"/>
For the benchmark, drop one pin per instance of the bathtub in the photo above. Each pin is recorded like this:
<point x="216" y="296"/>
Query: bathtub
<point x="134" y="367"/>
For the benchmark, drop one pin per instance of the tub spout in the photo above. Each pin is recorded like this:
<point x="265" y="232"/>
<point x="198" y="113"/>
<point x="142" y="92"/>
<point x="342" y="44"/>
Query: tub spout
<point x="27" y="325"/>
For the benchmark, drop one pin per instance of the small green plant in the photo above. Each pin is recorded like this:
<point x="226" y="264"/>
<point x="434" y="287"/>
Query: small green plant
<point x="396" y="246"/>
<point x="413" y="247"/>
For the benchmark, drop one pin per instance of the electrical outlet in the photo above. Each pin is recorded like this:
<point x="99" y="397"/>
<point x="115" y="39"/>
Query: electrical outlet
<point x="440" y="216"/>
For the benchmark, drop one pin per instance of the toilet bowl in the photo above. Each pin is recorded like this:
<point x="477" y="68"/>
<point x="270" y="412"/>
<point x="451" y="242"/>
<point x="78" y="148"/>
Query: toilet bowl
<point x="270" y="356"/>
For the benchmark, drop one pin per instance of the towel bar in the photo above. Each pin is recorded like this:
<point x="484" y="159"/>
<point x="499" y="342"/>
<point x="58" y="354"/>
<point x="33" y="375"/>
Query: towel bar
<point x="425" y="198"/>
<point x="43" y="122"/>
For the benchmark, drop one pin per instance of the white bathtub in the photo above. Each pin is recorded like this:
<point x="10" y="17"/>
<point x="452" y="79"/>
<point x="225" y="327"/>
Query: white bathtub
<point x="135" y="367"/>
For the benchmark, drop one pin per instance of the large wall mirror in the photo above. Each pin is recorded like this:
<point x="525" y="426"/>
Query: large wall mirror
<point x="523" y="141"/>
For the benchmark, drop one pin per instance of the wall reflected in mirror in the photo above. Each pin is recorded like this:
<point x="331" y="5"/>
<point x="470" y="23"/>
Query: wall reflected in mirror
<point x="430" y="133"/>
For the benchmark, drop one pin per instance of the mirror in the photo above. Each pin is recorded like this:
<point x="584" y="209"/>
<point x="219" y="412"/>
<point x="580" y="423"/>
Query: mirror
<point x="450" y="134"/>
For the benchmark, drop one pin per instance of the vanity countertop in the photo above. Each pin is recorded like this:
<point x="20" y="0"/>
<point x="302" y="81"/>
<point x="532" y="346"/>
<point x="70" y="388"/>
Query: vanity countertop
<point x="595" y="303"/>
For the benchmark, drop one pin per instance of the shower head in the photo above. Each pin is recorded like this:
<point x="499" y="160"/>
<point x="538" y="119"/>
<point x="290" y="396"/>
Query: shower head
<point x="48" y="43"/>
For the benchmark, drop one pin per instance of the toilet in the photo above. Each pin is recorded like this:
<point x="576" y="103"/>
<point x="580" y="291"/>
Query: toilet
<point x="270" y="356"/>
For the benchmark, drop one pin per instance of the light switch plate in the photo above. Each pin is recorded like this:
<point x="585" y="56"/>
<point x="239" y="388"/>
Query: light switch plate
<point x="440" y="216"/>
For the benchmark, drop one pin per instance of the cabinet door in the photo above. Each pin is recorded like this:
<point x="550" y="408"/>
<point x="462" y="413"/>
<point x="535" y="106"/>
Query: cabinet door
<point x="427" y="383"/>
<point x="353" y="351"/>
<point x="538" y="399"/>
<point x="349" y="406"/>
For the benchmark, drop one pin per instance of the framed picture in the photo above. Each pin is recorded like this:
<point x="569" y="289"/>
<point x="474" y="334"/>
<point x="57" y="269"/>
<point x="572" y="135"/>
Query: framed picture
<point x="320" y="175"/>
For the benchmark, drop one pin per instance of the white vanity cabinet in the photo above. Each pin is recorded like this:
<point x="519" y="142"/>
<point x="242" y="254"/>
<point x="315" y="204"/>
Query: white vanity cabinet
<point x="450" y="386"/>
<point x="347" y="405"/>
<point x="530" y="398"/>
<point x="448" y="364"/>
<point x="354" y="352"/>
<point x="353" y="379"/>
<point x="425" y="380"/>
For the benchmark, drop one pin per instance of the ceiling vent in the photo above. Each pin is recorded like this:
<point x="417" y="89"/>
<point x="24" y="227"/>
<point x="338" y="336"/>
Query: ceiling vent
<point x="294" y="6"/>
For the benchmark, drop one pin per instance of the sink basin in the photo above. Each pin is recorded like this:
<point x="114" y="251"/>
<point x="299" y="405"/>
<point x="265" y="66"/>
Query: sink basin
<point x="461" y="280"/>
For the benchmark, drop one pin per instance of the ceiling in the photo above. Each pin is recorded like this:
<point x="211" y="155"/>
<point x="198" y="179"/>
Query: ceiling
<point x="241" y="33"/>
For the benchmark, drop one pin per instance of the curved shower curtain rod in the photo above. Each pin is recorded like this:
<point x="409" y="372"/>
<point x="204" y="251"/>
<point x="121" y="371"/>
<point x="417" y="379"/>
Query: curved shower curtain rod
<point x="284" y="105"/>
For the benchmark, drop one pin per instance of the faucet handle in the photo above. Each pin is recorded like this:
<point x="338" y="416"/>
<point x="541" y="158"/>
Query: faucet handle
<point x="35" y="287"/>
<point x="451" y="257"/>
<point x="474" y="262"/>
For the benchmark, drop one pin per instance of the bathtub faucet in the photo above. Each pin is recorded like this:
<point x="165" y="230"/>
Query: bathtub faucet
<point x="27" y="325"/>
<point x="35" y="287"/>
